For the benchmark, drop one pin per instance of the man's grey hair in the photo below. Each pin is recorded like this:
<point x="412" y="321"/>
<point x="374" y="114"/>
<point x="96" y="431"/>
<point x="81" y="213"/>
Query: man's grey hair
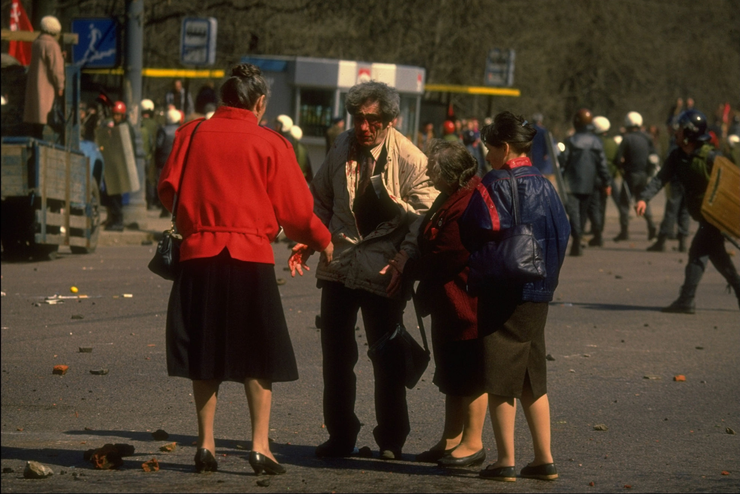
<point x="386" y="96"/>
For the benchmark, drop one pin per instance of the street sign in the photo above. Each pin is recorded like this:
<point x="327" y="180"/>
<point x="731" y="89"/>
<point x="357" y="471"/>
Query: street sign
<point x="500" y="68"/>
<point x="98" y="42"/>
<point x="198" y="45"/>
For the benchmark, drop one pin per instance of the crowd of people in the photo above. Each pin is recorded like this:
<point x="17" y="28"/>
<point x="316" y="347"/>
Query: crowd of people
<point x="386" y="213"/>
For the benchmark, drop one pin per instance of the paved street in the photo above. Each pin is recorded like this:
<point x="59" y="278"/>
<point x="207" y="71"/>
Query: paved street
<point x="615" y="358"/>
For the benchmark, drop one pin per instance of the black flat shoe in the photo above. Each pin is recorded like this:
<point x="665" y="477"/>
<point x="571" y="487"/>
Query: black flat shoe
<point x="465" y="461"/>
<point x="501" y="474"/>
<point x="204" y="461"/>
<point x="546" y="471"/>
<point x="432" y="455"/>
<point x="261" y="463"/>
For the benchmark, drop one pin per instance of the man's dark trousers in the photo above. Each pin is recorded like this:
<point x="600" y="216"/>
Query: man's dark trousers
<point x="339" y="306"/>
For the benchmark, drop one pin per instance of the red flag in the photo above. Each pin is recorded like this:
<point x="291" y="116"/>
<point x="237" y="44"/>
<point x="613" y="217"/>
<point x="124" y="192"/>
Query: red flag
<point x="19" y="21"/>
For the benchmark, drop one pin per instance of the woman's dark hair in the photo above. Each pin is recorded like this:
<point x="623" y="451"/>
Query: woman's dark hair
<point x="510" y="129"/>
<point x="452" y="161"/>
<point x="244" y="87"/>
<point x="386" y="96"/>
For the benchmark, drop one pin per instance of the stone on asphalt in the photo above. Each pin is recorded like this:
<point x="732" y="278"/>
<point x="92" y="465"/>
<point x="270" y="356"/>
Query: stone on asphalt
<point x="729" y="430"/>
<point x="99" y="372"/>
<point x="168" y="448"/>
<point x="86" y="349"/>
<point x="601" y="427"/>
<point x="36" y="470"/>
<point x="150" y="466"/>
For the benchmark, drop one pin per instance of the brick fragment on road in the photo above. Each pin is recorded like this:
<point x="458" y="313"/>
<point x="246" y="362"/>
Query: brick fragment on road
<point x="60" y="370"/>
<point x="679" y="378"/>
<point x="151" y="465"/>
<point x="168" y="448"/>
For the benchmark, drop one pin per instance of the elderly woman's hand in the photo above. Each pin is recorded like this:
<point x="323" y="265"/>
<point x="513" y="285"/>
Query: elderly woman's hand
<point x="297" y="261"/>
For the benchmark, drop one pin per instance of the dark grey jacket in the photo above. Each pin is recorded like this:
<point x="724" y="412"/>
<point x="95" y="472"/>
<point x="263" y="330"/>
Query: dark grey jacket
<point x="583" y="161"/>
<point x="634" y="152"/>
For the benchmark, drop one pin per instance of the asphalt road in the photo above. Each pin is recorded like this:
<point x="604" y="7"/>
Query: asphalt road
<point x="615" y="354"/>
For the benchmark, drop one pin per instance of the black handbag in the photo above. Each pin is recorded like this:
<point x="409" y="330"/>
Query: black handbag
<point x="55" y="118"/>
<point x="416" y="358"/>
<point x="514" y="256"/>
<point x="166" y="260"/>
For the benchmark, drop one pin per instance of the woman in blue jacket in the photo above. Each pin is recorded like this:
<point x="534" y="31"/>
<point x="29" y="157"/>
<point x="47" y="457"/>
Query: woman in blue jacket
<point x="512" y="316"/>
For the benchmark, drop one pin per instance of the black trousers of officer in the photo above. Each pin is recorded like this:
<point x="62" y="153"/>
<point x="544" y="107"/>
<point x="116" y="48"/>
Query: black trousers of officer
<point x="339" y="306"/>
<point x="635" y="183"/>
<point x="675" y="210"/>
<point x="708" y="245"/>
<point x="577" y="208"/>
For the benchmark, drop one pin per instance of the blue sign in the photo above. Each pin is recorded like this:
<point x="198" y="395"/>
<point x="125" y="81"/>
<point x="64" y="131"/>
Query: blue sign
<point x="98" y="42"/>
<point x="198" y="45"/>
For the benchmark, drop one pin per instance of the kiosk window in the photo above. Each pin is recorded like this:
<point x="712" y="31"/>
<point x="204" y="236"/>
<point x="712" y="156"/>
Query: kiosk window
<point x="315" y="112"/>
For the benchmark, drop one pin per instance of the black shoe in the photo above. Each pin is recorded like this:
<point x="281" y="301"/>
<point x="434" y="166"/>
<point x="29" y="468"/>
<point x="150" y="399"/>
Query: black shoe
<point x="114" y="227"/>
<point x="680" y="306"/>
<point x="576" y="249"/>
<point x="622" y="236"/>
<point x="658" y="246"/>
<point x="502" y="474"/>
<point x="546" y="471"/>
<point x="391" y="454"/>
<point x="466" y="461"/>
<point x="261" y="463"/>
<point x="432" y="455"/>
<point x="596" y="242"/>
<point x="651" y="232"/>
<point x="204" y="461"/>
<point x="681" y="243"/>
<point x="331" y="449"/>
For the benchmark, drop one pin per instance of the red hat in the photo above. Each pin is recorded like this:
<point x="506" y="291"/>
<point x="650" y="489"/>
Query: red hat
<point x="119" y="107"/>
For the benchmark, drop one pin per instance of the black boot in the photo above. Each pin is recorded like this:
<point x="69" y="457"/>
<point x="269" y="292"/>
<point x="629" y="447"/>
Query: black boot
<point x="681" y="243"/>
<point x="651" y="231"/>
<point x="681" y="306"/>
<point x="597" y="241"/>
<point x="684" y="304"/>
<point x="659" y="245"/>
<point x="623" y="235"/>
<point x="575" y="248"/>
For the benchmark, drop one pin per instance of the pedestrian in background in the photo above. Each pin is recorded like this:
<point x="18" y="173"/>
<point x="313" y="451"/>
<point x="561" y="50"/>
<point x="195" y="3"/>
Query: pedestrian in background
<point x="636" y="159"/>
<point x="597" y="205"/>
<point x="372" y="193"/>
<point x="511" y="314"/>
<point x="301" y="153"/>
<point x="225" y="320"/>
<point x="691" y="163"/>
<point x="442" y="271"/>
<point x="540" y="154"/>
<point x="180" y="99"/>
<point x="149" y="131"/>
<point x="45" y="79"/>
<point x="584" y="163"/>
<point x="165" y="141"/>
<point x="337" y="127"/>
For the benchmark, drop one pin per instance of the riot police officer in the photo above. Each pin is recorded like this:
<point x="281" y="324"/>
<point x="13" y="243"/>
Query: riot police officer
<point x="691" y="164"/>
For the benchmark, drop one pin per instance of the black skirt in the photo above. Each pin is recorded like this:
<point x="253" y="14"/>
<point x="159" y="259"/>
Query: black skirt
<point x="225" y="321"/>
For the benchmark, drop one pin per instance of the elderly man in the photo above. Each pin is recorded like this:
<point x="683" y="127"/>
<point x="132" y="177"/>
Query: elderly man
<point x="371" y="192"/>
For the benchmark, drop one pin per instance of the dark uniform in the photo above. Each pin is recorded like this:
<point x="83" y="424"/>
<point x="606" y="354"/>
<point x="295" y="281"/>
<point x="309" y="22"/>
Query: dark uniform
<point x="633" y="160"/>
<point x="584" y="162"/>
<point x="693" y="172"/>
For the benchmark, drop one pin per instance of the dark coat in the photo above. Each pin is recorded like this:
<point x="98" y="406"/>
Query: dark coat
<point x="442" y="267"/>
<point x="583" y="162"/>
<point x="540" y="206"/>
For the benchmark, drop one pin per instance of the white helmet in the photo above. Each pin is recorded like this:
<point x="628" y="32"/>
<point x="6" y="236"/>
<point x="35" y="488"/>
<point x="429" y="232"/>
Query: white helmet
<point x="285" y="122"/>
<point x="601" y="124"/>
<point x="618" y="140"/>
<point x="296" y="133"/>
<point x="733" y="140"/>
<point x="633" y="119"/>
<point x="147" y="105"/>
<point x="173" y="116"/>
<point x="51" y="25"/>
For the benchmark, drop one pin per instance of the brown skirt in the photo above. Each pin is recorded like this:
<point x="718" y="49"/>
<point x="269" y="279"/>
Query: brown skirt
<point x="513" y="339"/>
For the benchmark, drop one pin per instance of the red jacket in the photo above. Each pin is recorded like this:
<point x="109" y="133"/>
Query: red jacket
<point x="442" y="268"/>
<point x="242" y="182"/>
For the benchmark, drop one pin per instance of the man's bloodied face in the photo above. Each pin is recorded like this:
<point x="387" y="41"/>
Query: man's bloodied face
<point x="369" y="127"/>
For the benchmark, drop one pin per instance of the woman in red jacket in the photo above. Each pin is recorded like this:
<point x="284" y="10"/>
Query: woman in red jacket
<point x="225" y="321"/>
<point x="443" y="273"/>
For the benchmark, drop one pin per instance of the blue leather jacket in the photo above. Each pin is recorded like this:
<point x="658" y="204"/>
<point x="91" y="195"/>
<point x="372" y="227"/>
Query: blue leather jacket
<point x="540" y="206"/>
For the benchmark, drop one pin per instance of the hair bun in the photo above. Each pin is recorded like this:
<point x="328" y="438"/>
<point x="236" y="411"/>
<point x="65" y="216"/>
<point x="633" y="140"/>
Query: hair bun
<point x="246" y="71"/>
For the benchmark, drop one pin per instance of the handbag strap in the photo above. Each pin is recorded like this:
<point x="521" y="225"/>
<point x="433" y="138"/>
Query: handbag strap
<point x="182" y="174"/>
<point x="420" y="321"/>
<point x="514" y="196"/>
